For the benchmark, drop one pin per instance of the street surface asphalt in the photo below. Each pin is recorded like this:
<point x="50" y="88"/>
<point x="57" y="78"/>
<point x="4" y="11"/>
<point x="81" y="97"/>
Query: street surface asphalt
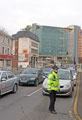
<point x="29" y="104"/>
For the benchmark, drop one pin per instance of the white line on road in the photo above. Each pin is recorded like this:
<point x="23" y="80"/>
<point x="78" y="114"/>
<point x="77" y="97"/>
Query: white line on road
<point x="33" y="92"/>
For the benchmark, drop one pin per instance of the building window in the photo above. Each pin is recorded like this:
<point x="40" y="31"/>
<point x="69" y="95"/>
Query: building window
<point x="34" y="51"/>
<point x="8" y="63"/>
<point x="34" y="44"/>
<point x="8" y="51"/>
<point x="3" y="50"/>
<point x="8" y="40"/>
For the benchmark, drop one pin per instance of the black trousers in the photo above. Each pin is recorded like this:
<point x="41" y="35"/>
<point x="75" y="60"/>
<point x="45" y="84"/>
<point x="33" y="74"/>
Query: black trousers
<point x="52" y="100"/>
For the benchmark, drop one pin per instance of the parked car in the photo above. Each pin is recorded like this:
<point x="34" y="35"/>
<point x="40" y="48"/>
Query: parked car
<point x="74" y="73"/>
<point x="8" y="82"/>
<point x="31" y="76"/>
<point x="46" y="71"/>
<point x="71" y="67"/>
<point x="66" y="83"/>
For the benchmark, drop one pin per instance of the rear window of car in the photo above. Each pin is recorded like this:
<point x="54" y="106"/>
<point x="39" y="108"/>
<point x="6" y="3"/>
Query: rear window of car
<point x="46" y="69"/>
<point x="65" y="75"/>
<point x="10" y="75"/>
<point x="30" y="71"/>
<point x="4" y="75"/>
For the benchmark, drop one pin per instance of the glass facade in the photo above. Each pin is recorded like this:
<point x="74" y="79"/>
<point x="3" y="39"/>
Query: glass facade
<point x="76" y="36"/>
<point x="57" y="41"/>
<point x="53" y="41"/>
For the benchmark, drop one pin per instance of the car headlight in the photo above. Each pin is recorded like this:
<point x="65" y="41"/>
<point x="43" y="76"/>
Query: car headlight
<point x="74" y="77"/>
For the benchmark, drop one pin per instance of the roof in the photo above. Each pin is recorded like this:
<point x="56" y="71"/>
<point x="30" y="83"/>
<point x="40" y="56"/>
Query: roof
<point x="26" y="34"/>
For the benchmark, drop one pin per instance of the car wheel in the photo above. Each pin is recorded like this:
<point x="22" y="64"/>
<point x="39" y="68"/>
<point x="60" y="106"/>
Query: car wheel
<point x="15" y="88"/>
<point x="20" y="83"/>
<point x="36" y="82"/>
<point x="73" y="88"/>
<point x="71" y="94"/>
<point x="0" y="93"/>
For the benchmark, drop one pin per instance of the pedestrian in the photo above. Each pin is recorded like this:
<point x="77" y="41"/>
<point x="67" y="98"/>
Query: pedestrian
<point x="53" y="87"/>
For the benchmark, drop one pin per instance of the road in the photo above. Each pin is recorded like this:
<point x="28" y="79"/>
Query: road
<point x="29" y="104"/>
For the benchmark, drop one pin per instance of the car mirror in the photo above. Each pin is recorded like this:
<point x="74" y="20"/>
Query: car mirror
<point x="72" y="79"/>
<point x="3" y="79"/>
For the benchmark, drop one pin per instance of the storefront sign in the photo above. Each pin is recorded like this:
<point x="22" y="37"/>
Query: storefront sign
<point x="7" y="57"/>
<point x="25" y="51"/>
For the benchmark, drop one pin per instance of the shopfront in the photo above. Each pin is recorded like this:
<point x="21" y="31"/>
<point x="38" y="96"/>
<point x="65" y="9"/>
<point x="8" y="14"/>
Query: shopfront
<point x="6" y="61"/>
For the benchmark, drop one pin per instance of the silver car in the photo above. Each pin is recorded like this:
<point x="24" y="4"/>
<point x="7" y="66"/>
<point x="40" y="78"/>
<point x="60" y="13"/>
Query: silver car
<point x="8" y="82"/>
<point x="74" y="74"/>
<point x="66" y="83"/>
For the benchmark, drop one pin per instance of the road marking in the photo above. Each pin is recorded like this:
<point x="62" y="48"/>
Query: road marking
<point x="76" y="101"/>
<point x="70" y="114"/>
<point x="33" y="92"/>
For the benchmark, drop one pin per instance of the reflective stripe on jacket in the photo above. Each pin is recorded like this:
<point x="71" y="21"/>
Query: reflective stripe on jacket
<point x="53" y="81"/>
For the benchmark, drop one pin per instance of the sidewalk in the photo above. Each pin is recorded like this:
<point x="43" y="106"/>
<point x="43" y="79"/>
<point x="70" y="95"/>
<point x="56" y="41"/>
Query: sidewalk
<point x="79" y="70"/>
<point x="79" y="96"/>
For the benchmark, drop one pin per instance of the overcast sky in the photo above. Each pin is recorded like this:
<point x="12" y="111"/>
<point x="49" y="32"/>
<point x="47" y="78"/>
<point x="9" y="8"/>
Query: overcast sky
<point x="16" y="14"/>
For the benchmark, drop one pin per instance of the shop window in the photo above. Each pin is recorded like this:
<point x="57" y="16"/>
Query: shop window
<point x="8" y="63"/>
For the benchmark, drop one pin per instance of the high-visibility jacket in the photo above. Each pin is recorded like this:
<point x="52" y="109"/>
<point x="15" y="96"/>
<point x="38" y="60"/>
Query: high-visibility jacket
<point x="53" y="81"/>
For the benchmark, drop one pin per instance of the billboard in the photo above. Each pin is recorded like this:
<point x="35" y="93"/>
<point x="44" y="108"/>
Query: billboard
<point x="25" y="51"/>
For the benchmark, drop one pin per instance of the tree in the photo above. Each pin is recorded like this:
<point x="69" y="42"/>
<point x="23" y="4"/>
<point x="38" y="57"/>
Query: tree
<point x="3" y="30"/>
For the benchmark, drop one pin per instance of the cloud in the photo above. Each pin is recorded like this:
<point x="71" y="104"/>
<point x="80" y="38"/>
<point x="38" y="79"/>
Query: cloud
<point x="15" y="14"/>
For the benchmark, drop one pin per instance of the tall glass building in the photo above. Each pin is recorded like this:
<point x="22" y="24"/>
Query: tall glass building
<point x="53" y="40"/>
<point x="57" y="41"/>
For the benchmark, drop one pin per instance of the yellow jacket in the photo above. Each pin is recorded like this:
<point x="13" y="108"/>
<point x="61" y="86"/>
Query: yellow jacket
<point x="53" y="81"/>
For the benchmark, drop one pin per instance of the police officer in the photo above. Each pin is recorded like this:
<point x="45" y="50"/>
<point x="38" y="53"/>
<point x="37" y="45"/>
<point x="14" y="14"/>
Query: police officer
<point x="53" y="87"/>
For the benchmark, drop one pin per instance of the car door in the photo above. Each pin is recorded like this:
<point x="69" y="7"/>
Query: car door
<point x="4" y="87"/>
<point x="10" y="80"/>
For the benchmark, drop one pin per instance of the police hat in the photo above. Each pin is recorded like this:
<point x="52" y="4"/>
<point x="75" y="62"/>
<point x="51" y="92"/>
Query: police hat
<point x="55" y="67"/>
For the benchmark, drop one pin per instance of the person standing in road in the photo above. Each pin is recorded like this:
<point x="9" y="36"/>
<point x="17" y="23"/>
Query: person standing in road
<point x="53" y="87"/>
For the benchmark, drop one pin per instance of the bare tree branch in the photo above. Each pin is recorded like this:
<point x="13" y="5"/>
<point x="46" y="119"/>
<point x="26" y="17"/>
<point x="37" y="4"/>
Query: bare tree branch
<point x="3" y="30"/>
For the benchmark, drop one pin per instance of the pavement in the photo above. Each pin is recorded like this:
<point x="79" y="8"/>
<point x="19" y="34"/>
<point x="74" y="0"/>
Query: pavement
<point x="78" y="97"/>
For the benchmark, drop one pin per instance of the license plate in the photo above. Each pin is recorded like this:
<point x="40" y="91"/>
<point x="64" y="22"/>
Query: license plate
<point x="23" y="78"/>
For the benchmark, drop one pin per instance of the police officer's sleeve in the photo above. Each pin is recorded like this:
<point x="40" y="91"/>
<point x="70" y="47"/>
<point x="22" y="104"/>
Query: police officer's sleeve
<point x="58" y="85"/>
<point x="49" y="81"/>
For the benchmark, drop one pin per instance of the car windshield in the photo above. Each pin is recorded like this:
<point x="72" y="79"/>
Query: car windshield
<point x="46" y="70"/>
<point x="64" y="75"/>
<point x="30" y="71"/>
<point x="71" y="67"/>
